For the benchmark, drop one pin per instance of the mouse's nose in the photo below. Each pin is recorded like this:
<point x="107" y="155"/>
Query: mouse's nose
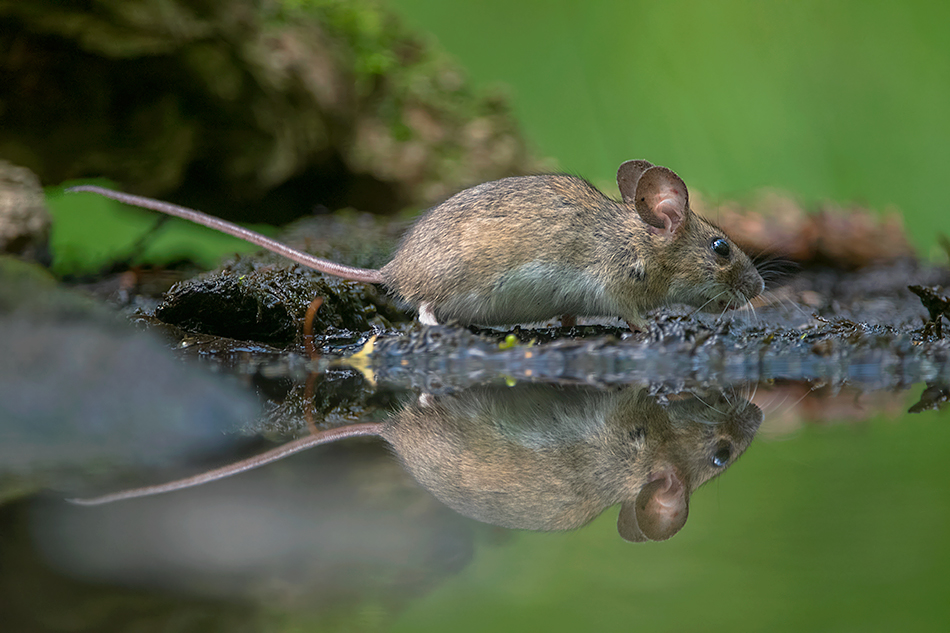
<point x="753" y="285"/>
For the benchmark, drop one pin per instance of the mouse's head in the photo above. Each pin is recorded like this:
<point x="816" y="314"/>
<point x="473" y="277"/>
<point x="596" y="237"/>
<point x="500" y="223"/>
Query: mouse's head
<point x="688" y="441"/>
<point x="698" y="263"/>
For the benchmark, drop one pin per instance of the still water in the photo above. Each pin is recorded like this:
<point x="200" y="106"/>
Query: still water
<point x="560" y="487"/>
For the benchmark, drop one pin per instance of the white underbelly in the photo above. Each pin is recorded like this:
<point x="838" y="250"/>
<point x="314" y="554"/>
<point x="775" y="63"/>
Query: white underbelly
<point x="529" y="293"/>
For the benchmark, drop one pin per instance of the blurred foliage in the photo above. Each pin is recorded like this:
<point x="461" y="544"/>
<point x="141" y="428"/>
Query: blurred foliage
<point x="251" y="110"/>
<point x="363" y="23"/>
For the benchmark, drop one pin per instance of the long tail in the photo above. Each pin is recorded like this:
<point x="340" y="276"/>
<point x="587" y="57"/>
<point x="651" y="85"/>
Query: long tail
<point x="323" y="437"/>
<point x="323" y="265"/>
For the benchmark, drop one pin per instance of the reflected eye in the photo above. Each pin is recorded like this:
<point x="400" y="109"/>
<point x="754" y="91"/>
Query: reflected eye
<point x="722" y="455"/>
<point x="720" y="247"/>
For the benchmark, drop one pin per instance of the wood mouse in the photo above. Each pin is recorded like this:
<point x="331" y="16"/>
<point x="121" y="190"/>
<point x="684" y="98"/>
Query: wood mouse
<point x="529" y="248"/>
<point x="544" y="457"/>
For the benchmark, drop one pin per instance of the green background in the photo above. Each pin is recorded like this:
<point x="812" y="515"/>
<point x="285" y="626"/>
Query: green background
<point x="844" y="101"/>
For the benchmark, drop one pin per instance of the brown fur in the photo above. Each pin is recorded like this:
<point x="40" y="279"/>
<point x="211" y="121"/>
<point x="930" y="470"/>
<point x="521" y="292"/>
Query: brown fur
<point x="589" y="255"/>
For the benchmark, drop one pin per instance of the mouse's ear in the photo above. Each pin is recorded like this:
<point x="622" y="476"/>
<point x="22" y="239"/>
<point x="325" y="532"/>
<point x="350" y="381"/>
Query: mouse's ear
<point x="628" y="174"/>
<point x="662" y="199"/>
<point x="659" y="511"/>
<point x="627" y="523"/>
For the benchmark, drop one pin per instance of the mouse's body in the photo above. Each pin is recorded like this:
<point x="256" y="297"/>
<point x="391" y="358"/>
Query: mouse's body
<point x="526" y="249"/>
<point x="521" y="250"/>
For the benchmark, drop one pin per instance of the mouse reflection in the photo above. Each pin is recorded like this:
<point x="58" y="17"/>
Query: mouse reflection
<point x="546" y="458"/>
<point x="543" y="457"/>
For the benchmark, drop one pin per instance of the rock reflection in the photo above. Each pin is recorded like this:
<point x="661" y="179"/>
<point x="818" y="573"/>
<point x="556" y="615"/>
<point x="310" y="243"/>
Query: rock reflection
<point x="545" y="457"/>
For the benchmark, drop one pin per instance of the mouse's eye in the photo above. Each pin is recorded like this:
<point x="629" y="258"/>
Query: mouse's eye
<point x="721" y="457"/>
<point x="720" y="247"/>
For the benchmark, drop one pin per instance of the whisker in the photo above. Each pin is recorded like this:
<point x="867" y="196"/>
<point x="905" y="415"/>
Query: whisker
<point x="699" y="309"/>
<point x="755" y="316"/>
<point x="725" y="309"/>
<point x="796" y="307"/>
<point x="805" y="395"/>
<point x="709" y="405"/>
<point x="775" y="402"/>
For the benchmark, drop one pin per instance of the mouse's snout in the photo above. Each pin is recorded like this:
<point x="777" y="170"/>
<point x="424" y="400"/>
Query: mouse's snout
<point x="746" y="280"/>
<point x="754" y="284"/>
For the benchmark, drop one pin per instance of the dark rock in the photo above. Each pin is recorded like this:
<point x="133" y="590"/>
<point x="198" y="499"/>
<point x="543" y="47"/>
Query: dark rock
<point x="259" y="300"/>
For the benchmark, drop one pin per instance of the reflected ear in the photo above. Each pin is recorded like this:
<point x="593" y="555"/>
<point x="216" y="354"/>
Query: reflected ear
<point x="627" y="524"/>
<point x="662" y="507"/>
<point x="662" y="199"/>
<point x="627" y="177"/>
